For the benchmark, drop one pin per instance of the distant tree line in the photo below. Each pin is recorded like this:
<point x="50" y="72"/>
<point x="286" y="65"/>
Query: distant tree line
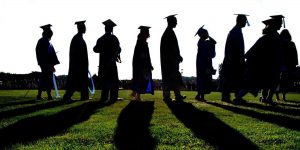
<point x="31" y="80"/>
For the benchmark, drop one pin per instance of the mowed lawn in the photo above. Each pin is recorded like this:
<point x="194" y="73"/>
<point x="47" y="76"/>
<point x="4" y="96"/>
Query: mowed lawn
<point x="150" y="124"/>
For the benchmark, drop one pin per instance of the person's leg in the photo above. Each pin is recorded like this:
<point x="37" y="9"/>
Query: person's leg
<point x="202" y="97"/>
<point x="277" y="95"/>
<point x="283" y="96"/>
<point x="225" y="96"/>
<point x="104" y="95"/>
<point x="39" y="96"/>
<point x="239" y="96"/>
<point x="49" y="94"/>
<point x="166" y="93"/>
<point x="84" y="94"/>
<point x="114" y="95"/>
<point x="178" y="96"/>
<point x="68" y="95"/>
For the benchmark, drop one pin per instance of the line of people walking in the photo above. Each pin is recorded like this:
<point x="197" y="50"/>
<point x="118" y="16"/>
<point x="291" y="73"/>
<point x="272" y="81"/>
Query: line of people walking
<point x="259" y="68"/>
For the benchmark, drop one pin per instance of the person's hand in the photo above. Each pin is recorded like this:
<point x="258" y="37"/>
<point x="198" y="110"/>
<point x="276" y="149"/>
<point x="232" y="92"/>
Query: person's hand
<point x="53" y="69"/>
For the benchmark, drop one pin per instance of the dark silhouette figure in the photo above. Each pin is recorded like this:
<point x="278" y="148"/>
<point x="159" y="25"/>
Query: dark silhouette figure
<point x="109" y="48"/>
<point x="141" y="64"/>
<point x="78" y="66"/>
<point x="231" y="74"/>
<point x="170" y="58"/>
<point x="132" y="132"/>
<point x="206" y="51"/>
<point x="206" y="126"/>
<point x="289" y="62"/>
<point x="263" y="63"/>
<point x="47" y="59"/>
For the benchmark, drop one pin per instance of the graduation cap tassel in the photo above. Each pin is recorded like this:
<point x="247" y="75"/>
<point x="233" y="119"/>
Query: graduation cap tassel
<point x="248" y="24"/>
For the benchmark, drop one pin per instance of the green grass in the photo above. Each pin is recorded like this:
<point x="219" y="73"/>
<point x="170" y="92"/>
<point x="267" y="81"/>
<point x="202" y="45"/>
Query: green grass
<point x="150" y="124"/>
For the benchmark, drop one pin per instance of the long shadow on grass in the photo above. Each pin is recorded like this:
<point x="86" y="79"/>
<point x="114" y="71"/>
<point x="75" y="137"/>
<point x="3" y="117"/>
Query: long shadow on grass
<point x="284" y="121"/>
<point x="10" y="101"/>
<point x="288" y="111"/>
<point x="31" y="129"/>
<point x="209" y="128"/>
<point x="132" y="132"/>
<point x="297" y="105"/>
<point x="32" y="108"/>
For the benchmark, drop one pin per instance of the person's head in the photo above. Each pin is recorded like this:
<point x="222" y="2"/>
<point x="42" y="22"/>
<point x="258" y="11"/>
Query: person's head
<point x="172" y="21"/>
<point x="203" y="33"/>
<point x="47" y="32"/>
<point x="109" y="26"/>
<point x="144" y="32"/>
<point x="285" y="34"/>
<point x="81" y="26"/>
<point x="241" y="20"/>
<point x="278" y="20"/>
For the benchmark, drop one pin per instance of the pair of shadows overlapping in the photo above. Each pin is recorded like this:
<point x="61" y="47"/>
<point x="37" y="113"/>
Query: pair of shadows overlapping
<point x="12" y="100"/>
<point x="284" y="121"/>
<point x="28" y="109"/>
<point x="132" y="132"/>
<point x="206" y="126"/>
<point x="42" y="126"/>
<point x="289" y="111"/>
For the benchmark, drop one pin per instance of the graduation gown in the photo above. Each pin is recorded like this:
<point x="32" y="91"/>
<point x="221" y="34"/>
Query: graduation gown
<point x="206" y="51"/>
<point x="142" y="69"/>
<point x="78" y="65"/>
<point x="263" y="63"/>
<point x="109" y="49"/>
<point x="233" y="67"/>
<point x="170" y="59"/>
<point x="46" y="58"/>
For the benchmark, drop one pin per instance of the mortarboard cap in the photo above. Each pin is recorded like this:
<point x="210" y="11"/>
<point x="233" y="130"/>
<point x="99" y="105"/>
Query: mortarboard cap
<point x="80" y="22"/>
<point x="144" y="28"/>
<point x="279" y="17"/>
<point x="244" y="15"/>
<point x="201" y="30"/>
<point x="46" y="27"/>
<point x="109" y="23"/>
<point x="268" y="21"/>
<point x="170" y="16"/>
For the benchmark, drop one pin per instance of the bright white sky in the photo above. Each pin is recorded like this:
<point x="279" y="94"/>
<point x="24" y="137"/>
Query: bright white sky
<point x="20" y="21"/>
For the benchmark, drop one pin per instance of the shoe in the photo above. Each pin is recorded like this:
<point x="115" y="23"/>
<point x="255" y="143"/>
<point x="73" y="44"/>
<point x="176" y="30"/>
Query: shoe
<point x="180" y="98"/>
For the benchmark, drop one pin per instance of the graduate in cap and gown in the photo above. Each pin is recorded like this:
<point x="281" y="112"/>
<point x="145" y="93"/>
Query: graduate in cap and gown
<point x="233" y="67"/>
<point x="108" y="47"/>
<point x="78" y="65"/>
<point x="263" y="63"/>
<point x="47" y="59"/>
<point x="205" y="70"/>
<point x="289" y="64"/>
<point x="142" y="67"/>
<point x="170" y="59"/>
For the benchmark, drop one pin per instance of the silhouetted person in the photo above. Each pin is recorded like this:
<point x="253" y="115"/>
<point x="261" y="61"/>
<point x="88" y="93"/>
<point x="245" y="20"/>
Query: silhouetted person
<point x="109" y="48"/>
<point x="289" y="62"/>
<point x="78" y="65"/>
<point x="205" y="70"/>
<point x="263" y="63"/>
<point x="233" y="67"/>
<point x="142" y="67"/>
<point x="47" y="59"/>
<point x="170" y="58"/>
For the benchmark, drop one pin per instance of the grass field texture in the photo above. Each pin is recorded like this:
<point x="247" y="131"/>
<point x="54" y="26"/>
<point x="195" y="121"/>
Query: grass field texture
<point x="150" y="124"/>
